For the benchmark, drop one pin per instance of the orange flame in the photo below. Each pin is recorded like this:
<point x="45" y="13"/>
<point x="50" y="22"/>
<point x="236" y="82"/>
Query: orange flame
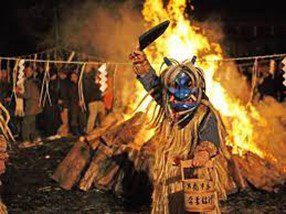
<point x="183" y="40"/>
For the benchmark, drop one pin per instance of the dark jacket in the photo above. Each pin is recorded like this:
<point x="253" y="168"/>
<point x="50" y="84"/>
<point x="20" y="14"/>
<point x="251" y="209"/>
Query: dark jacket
<point x="63" y="86"/>
<point x="31" y="98"/>
<point x="54" y="89"/>
<point x="73" y="96"/>
<point x="91" y="90"/>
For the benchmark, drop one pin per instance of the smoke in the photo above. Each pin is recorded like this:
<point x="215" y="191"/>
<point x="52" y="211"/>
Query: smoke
<point x="227" y="73"/>
<point x="109" y="30"/>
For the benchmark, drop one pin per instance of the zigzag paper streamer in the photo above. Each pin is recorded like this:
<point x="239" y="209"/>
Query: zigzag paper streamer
<point x="19" y="110"/>
<point x="284" y="70"/>
<point x="21" y="75"/>
<point x="103" y="77"/>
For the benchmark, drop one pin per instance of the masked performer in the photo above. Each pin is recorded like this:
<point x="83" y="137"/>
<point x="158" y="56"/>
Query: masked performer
<point x="188" y="127"/>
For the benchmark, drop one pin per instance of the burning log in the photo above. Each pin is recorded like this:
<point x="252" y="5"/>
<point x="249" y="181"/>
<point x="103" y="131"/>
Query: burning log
<point x="3" y="154"/>
<point x="101" y="155"/>
<point x="110" y="154"/>
<point x="3" y="158"/>
<point x="110" y="160"/>
<point x="260" y="173"/>
<point x="70" y="169"/>
<point x="99" y="158"/>
<point x="110" y="121"/>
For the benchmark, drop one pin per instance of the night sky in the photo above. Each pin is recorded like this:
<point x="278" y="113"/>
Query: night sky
<point x="25" y="22"/>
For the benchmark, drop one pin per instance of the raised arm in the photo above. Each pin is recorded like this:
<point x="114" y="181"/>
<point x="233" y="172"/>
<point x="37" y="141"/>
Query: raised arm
<point x="146" y="74"/>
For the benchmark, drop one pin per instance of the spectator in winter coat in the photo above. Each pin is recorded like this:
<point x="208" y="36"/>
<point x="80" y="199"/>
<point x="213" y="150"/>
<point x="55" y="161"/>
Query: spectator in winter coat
<point x="51" y="109"/>
<point x="31" y="97"/>
<point x="92" y="96"/>
<point x="76" y="111"/>
<point x="63" y="84"/>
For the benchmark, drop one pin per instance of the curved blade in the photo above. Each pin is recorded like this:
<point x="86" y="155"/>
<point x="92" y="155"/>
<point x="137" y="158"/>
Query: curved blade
<point x="151" y="35"/>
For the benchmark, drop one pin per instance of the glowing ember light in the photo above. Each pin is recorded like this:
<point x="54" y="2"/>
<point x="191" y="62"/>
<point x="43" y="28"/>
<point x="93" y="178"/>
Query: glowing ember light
<point x="183" y="40"/>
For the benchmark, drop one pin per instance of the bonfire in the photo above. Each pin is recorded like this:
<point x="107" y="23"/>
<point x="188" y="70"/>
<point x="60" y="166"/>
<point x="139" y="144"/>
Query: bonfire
<point x="121" y="150"/>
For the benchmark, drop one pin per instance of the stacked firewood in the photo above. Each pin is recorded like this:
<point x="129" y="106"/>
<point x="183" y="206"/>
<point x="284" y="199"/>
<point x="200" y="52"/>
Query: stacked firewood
<point x="259" y="173"/>
<point x="107" y="159"/>
<point x="3" y="158"/>
<point x="104" y="159"/>
<point x="3" y="154"/>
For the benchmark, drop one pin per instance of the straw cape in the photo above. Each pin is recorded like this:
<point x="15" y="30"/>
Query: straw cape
<point x="174" y="139"/>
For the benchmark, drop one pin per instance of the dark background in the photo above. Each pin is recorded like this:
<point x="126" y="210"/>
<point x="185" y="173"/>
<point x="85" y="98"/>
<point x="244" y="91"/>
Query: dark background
<point x="251" y="27"/>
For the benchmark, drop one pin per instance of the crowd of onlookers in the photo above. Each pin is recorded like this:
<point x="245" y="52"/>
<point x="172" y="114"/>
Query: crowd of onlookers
<point x="63" y="112"/>
<point x="268" y="83"/>
<point x="272" y="85"/>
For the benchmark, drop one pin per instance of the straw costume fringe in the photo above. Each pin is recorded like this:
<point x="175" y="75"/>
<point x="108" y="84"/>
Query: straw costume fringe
<point x="172" y="141"/>
<point x="4" y="121"/>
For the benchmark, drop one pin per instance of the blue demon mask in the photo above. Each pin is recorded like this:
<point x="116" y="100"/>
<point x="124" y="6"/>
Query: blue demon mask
<point x="184" y="88"/>
<point x="183" y="93"/>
